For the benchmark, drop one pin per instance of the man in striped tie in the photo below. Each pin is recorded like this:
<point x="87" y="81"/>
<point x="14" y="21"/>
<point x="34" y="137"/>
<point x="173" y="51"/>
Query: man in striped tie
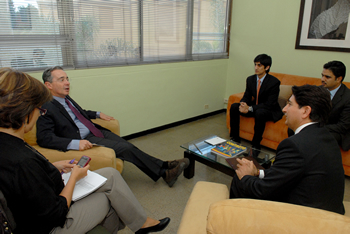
<point x="66" y="126"/>
<point x="260" y="101"/>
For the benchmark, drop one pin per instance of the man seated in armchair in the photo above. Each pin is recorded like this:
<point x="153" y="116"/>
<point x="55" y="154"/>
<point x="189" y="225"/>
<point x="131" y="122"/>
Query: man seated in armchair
<point x="66" y="126"/>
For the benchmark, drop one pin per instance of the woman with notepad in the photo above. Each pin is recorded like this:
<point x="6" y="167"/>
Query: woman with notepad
<point x="33" y="187"/>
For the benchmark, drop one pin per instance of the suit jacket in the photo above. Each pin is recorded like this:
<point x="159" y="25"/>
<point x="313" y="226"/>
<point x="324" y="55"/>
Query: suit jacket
<point x="268" y="95"/>
<point x="339" y="118"/>
<point x="56" y="129"/>
<point x="307" y="171"/>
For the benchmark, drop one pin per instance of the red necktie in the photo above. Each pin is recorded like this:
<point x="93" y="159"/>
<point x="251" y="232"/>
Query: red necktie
<point x="85" y="121"/>
<point x="257" y="92"/>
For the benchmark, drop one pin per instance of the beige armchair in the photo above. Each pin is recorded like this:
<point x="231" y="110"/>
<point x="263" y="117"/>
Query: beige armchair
<point x="100" y="156"/>
<point x="209" y="210"/>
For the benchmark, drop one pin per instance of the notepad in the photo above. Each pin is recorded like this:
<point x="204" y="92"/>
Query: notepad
<point x="86" y="185"/>
<point x="215" y="141"/>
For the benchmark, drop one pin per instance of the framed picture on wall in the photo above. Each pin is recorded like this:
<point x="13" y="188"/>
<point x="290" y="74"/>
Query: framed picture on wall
<point x="323" y="25"/>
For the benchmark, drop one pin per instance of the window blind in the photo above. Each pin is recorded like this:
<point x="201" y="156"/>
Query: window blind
<point x="35" y="34"/>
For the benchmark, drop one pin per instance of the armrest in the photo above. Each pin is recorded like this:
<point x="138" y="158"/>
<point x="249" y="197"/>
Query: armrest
<point x="101" y="156"/>
<point x="112" y="125"/>
<point x="194" y="218"/>
<point x="260" y="216"/>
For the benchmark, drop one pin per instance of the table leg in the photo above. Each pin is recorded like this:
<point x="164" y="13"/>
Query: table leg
<point x="189" y="171"/>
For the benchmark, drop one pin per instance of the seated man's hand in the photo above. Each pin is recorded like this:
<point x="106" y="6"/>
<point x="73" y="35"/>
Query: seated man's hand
<point x="84" y="145"/>
<point x="245" y="167"/>
<point x="105" y="117"/>
<point x="243" y="108"/>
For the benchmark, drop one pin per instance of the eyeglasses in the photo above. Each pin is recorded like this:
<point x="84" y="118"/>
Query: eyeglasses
<point x="42" y="111"/>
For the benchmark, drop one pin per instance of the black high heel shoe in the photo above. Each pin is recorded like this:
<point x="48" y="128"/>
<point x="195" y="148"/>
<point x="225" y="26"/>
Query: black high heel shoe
<point x="156" y="228"/>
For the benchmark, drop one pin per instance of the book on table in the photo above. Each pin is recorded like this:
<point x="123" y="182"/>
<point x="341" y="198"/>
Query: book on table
<point x="86" y="185"/>
<point x="228" y="149"/>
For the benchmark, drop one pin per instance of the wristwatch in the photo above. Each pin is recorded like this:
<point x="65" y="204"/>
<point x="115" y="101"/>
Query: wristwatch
<point x="250" y="109"/>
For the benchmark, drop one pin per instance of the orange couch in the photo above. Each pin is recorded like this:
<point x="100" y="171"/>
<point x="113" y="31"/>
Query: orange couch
<point x="276" y="132"/>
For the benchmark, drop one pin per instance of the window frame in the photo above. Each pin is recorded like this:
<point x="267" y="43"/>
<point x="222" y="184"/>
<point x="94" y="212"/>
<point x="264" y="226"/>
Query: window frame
<point x="69" y="50"/>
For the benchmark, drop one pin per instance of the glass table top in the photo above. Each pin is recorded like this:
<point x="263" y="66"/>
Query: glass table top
<point x="203" y="149"/>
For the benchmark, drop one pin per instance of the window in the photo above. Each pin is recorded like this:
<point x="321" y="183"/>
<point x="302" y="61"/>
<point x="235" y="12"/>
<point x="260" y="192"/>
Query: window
<point x="35" y="34"/>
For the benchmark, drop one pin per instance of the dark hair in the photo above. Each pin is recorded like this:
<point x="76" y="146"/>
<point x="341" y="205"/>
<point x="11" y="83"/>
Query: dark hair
<point x="318" y="98"/>
<point x="20" y="94"/>
<point x="265" y="60"/>
<point x="47" y="73"/>
<point x="338" y="68"/>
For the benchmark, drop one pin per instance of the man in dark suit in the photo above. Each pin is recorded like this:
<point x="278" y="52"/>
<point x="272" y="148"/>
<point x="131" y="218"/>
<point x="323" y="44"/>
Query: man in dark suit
<point x="66" y="126"/>
<point x="339" y="118"/>
<point x="308" y="167"/>
<point x="260" y="101"/>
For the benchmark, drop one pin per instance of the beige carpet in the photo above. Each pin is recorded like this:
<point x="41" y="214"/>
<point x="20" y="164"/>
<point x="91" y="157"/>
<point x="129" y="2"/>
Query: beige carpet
<point x="156" y="197"/>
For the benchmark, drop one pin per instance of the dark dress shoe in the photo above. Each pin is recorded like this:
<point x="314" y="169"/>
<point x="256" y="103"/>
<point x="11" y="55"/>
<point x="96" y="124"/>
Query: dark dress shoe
<point x="174" y="163"/>
<point x="172" y="174"/>
<point x="156" y="228"/>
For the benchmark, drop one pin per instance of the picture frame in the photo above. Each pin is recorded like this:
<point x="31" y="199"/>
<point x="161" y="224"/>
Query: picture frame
<point x="319" y="29"/>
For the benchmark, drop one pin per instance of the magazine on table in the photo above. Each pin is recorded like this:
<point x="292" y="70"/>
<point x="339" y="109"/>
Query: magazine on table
<point x="229" y="149"/>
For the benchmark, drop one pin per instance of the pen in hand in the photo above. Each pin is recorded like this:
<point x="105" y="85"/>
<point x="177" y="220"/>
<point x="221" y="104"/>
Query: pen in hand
<point x="71" y="161"/>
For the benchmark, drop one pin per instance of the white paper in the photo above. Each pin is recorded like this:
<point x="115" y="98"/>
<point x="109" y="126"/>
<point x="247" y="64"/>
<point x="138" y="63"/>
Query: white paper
<point x="86" y="185"/>
<point x="215" y="141"/>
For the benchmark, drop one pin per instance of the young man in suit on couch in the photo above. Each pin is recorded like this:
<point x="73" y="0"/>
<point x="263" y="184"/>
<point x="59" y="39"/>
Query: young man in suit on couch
<point x="338" y="124"/>
<point x="260" y="101"/>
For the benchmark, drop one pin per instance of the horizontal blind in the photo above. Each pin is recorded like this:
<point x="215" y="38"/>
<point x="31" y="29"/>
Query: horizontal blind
<point x="35" y="34"/>
<point x="30" y="34"/>
<point x="164" y="30"/>
<point x="105" y="32"/>
<point x="210" y="23"/>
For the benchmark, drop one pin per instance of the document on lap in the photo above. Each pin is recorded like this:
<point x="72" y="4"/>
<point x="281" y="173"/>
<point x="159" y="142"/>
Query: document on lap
<point x="86" y="185"/>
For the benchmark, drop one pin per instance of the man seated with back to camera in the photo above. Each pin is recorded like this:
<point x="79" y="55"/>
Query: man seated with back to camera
<point x="308" y="167"/>
<point x="66" y="126"/>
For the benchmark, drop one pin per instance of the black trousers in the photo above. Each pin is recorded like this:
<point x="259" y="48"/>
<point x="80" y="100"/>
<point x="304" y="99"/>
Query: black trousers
<point x="236" y="191"/>
<point x="151" y="166"/>
<point x="261" y="116"/>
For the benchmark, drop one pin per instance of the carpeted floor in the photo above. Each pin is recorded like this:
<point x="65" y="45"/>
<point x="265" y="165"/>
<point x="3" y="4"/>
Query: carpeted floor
<point x="156" y="197"/>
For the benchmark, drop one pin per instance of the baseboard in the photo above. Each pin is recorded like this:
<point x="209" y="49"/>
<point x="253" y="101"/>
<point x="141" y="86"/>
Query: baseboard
<point x="171" y="125"/>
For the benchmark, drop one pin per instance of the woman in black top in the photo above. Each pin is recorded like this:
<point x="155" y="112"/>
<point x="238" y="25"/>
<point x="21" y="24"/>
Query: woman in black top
<point x="33" y="187"/>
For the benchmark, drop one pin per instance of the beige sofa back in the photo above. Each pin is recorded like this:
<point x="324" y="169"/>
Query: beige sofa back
<point x="208" y="210"/>
<point x="100" y="156"/>
<point x="259" y="216"/>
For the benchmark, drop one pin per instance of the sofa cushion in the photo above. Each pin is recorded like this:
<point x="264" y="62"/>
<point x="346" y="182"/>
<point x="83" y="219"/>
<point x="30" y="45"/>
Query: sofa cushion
<point x="285" y="93"/>
<point x="259" y="216"/>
